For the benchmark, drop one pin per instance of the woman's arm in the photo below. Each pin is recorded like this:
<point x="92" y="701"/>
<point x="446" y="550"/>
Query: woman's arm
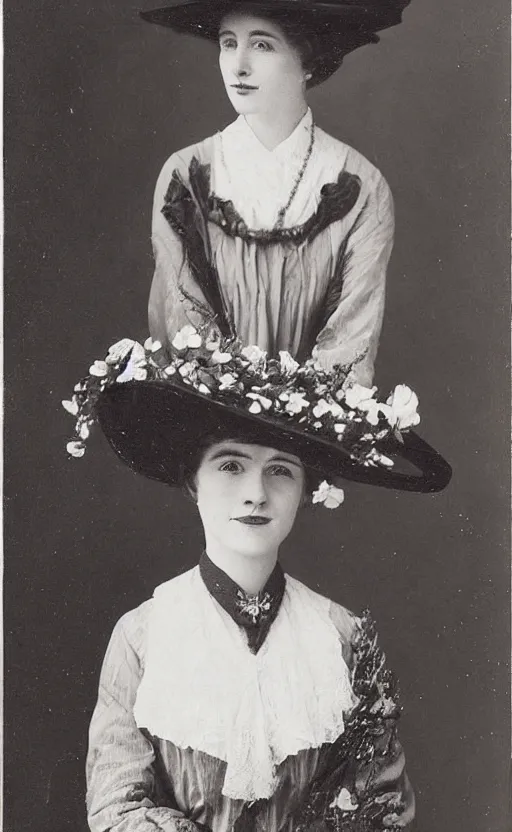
<point x="175" y="298"/>
<point x="356" y="301"/>
<point x="385" y="776"/>
<point x="120" y="773"/>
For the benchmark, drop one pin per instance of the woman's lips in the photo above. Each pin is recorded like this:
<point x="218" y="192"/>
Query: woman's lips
<point x="243" y="89"/>
<point x="253" y="520"/>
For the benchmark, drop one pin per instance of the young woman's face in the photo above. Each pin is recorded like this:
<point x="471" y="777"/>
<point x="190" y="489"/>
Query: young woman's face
<point x="248" y="496"/>
<point x="262" y="71"/>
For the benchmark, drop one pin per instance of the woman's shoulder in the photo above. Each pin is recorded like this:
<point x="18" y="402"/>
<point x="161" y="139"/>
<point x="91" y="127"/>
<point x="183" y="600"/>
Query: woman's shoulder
<point x="180" y="160"/>
<point x="341" y="153"/>
<point x="345" y="621"/>
<point x="133" y="625"/>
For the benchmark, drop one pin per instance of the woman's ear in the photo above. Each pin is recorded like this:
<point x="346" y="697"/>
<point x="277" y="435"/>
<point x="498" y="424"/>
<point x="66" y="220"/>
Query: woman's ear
<point x="190" y="490"/>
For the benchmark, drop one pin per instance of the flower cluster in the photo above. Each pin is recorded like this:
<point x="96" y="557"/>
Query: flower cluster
<point x="279" y="389"/>
<point x="357" y="792"/>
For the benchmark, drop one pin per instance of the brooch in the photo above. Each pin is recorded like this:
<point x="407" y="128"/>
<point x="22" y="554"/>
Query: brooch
<point x="251" y="606"/>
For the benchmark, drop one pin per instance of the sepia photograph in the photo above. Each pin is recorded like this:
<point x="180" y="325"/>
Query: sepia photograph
<point x="257" y="416"/>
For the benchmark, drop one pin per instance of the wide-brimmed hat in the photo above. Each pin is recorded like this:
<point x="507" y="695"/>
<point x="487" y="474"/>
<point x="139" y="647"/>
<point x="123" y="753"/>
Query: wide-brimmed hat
<point x="155" y="410"/>
<point x="155" y="428"/>
<point x="202" y="17"/>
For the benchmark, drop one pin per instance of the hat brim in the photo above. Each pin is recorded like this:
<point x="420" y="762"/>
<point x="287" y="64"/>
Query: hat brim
<point x="155" y="428"/>
<point x="202" y="17"/>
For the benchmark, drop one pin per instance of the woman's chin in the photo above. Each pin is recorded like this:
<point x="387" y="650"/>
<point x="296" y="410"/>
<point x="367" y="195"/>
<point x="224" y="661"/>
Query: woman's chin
<point x="243" y="105"/>
<point x="254" y="542"/>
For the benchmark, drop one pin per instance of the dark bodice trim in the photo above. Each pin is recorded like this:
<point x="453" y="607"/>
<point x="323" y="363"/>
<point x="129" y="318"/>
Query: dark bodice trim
<point x="336" y="200"/>
<point x="255" y="614"/>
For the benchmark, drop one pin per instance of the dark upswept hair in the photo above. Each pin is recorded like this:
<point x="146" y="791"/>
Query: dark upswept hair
<point x="322" y="48"/>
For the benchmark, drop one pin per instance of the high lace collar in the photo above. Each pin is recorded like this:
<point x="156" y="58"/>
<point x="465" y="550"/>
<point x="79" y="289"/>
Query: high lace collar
<point x="254" y="613"/>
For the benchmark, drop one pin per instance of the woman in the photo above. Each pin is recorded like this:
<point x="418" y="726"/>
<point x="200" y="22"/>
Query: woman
<point x="237" y="698"/>
<point x="272" y="228"/>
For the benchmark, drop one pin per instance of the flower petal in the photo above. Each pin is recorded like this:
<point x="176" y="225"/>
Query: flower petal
<point x="99" y="369"/>
<point x="70" y="406"/>
<point x="76" y="449"/>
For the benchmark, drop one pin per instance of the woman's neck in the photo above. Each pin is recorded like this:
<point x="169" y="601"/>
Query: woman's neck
<point x="271" y="131"/>
<point x="251" y="572"/>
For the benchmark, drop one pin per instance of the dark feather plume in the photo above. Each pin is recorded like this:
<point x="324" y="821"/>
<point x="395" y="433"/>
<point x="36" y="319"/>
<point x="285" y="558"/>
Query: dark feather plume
<point x="186" y="210"/>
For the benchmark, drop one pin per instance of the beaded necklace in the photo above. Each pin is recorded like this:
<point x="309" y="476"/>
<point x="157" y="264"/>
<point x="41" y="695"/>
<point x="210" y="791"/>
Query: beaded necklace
<point x="282" y="211"/>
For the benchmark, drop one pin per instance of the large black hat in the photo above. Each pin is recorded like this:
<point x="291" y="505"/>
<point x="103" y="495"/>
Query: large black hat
<point x="156" y="427"/>
<point x="155" y="410"/>
<point x="202" y="17"/>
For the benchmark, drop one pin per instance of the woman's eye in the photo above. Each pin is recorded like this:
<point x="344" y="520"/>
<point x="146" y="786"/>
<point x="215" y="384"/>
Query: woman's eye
<point x="280" y="471"/>
<point x="263" y="46"/>
<point x="229" y="43"/>
<point x="231" y="467"/>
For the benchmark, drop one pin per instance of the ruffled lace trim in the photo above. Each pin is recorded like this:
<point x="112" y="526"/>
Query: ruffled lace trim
<point x="203" y="689"/>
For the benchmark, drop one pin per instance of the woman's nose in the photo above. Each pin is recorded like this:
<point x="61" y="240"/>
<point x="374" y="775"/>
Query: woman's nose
<point x="242" y="63"/>
<point x="255" y="492"/>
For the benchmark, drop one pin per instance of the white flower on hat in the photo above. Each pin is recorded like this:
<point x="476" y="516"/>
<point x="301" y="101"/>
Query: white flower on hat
<point x="356" y="394"/>
<point x="219" y="357"/>
<point x="186" y="369"/>
<point x="118" y="351"/>
<point x="403" y="404"/>
<point x="336" y="410"/>
<point x="344" y="801"/>
<point x="321" y="408"/>
<point x="329" y="495"/>
<point x="296" y="403"/>
<point x="84" y="430"/>
<point x="382" y="459"/>
<point x="76" y="449"/>
<point x="98" y="369"/>
<point x="187" y="338"/>
<point x="152" y="346"/>
<point x="253" y="354"/>
<point x="227" y="380"/>
<point x="135" y="369"/>
<point x="288" y="364"/>
<point x="265" y="403"/>
<point x="373" y="409"/>
<point x="70" y="406"/>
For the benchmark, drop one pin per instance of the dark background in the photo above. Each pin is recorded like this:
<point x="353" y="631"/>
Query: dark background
<point x="95" y="103"/>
